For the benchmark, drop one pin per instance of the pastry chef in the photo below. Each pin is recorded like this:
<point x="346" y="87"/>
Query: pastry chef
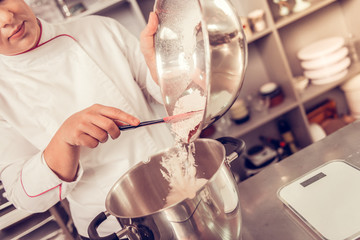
<point x="64" y="90"/>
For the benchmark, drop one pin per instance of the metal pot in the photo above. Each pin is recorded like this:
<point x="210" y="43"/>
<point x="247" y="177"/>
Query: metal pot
<point x="137" y="200"/>
<point x="200" y="46"/>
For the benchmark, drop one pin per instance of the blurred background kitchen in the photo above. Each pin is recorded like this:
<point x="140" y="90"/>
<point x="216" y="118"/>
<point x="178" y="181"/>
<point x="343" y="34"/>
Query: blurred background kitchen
<point x="302" y="83"/>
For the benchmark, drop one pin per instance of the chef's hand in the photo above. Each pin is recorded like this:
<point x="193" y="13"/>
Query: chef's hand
<point x="87" y="128"/>
<point x="93" y="125"/>
<point x="147" y="44"/>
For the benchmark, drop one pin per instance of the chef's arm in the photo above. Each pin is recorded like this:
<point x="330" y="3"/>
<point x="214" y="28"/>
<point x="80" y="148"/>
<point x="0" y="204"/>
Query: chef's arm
<point x="35" y="180"/>
<point x="147" y="44"/>
<point x="28" y="181"/>
<point x="140" y="56"/>
<point x="86" y="128"/>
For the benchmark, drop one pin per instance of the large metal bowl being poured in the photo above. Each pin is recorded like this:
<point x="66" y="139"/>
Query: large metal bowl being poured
<point x="200" y="48"/>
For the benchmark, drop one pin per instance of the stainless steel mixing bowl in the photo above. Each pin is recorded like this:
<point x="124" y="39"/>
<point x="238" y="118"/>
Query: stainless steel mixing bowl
<point x="138" y="199"/>
<point x="200" y="46"/>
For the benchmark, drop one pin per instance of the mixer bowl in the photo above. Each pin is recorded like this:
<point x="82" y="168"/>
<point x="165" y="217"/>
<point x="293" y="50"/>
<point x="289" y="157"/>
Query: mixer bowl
<point x="139" y="199"/>
<point x="200" y="47"/>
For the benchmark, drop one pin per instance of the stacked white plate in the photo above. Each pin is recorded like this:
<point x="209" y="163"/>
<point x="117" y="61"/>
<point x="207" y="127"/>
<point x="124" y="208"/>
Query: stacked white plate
<point x="325" y="61"/>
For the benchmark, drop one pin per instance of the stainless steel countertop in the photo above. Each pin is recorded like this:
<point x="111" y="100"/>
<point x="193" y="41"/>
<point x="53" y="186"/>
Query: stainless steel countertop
<point x="264" y="215"/>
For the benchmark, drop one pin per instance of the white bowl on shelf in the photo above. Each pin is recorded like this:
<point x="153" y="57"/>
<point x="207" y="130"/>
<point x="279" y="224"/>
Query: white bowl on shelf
<point x="355" y="115"/>
<point x="330" y="79"/>
<point x="301" y="83"/>
<point x="351" y="89"/>
<point x="321" y="48"/>
<point x="317" y="132"/>
<point x="352" y="84"/>
<point x="328" y="71"/>
<point x="326" y="60"/>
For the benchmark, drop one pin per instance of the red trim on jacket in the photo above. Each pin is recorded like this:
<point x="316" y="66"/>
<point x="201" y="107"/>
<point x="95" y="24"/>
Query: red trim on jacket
<point x="36" y="46"/>
<point x="39" y="45"/>
<point x="22" y="185"/>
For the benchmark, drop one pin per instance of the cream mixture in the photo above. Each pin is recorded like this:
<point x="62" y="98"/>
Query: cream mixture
<point x="188" y="103"/>
<point x="179" y="164"/>
<point x="181" y="174"/>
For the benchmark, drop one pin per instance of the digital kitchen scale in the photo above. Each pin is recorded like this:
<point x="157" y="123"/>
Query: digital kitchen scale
<point x="327" y="199"/>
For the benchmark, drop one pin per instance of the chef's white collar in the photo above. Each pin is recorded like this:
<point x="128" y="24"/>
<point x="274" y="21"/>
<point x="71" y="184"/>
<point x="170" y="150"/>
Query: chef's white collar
<point x="48" y="32"/>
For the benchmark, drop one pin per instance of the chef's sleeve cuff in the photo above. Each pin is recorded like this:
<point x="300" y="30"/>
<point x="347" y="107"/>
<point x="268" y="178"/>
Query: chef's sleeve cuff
<point x="38" y="180"/>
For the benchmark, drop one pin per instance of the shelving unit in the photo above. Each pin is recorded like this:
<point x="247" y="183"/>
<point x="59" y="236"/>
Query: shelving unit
<point x="126" y="12"/>
<point x="272" y="57"/>
<point x="94" y="6"/>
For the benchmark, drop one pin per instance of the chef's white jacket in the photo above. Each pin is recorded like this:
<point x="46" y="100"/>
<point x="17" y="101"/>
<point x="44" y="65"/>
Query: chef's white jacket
<point x="77" y="64"/>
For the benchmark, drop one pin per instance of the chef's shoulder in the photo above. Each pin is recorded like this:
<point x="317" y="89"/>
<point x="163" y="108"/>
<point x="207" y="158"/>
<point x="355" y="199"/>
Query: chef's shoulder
<point x="96" y="27"/>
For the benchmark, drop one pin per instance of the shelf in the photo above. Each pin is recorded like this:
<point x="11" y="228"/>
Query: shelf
<point x="35" y="228"/>
<point x="126" y="12"/>
<point x="313" y="91"/>
<point x="259" y="118"/>
<point x="47" y="229"/>
<point x="256" y="36"/>
<point x="4" y="203"/>
<point x="26" y="226"/>
<point x="315" y="5"/>
<point x="93" y="6"/>
<point x="12" y="217"/>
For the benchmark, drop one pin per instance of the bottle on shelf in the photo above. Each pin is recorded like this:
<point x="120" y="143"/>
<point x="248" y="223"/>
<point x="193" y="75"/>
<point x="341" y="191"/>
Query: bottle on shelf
<point x="280" y="146"/>
<point x="239" y="112"/>
<point x="352" y="41"/>
<point x="287" y="135"/>
<point x="64" y="8"/>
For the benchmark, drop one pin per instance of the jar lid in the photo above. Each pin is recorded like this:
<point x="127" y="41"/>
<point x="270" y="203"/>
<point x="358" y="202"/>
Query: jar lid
<point x="268" y="88"/>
